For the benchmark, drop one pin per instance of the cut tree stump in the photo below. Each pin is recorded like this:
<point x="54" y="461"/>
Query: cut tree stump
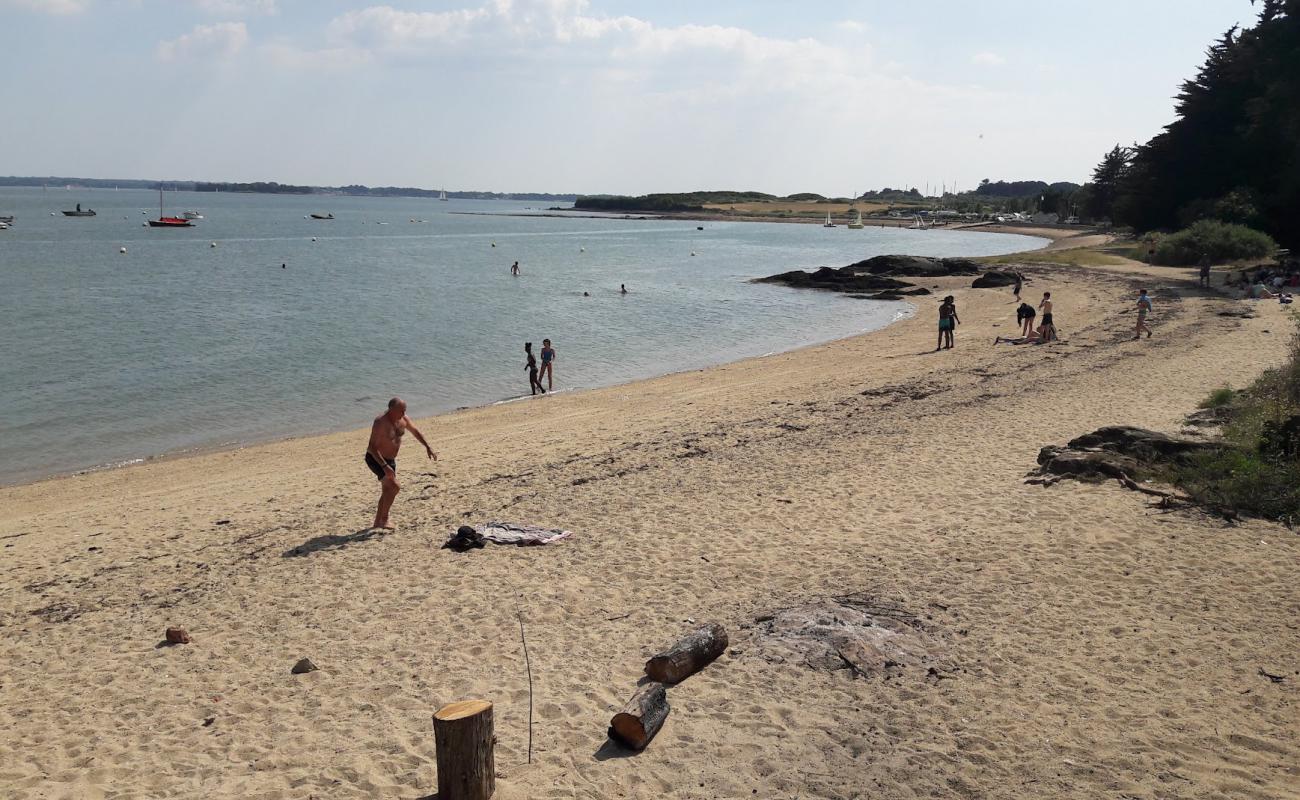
<point x="463" y="735"/>
<point x="642" y="717"/>
<point x="691" y="654"/>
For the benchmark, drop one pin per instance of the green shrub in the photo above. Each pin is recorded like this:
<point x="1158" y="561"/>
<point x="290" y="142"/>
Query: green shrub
<point x="1221" y="241"/>
<point x="1218" y="398"/>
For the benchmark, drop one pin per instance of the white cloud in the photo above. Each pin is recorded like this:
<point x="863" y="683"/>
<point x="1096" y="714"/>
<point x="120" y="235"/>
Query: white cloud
<point x="385" y="28"/>
<point x="56" y="7"/>
<point x="237" y="8"/>
<point x="987" y="59"/>
<point x="221" y="40"/>
<point x="851" y="26"/>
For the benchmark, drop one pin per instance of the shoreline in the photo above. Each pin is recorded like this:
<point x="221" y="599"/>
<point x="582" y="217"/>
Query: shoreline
<point x="869" y="465"/>
<point x="906" y="310"/>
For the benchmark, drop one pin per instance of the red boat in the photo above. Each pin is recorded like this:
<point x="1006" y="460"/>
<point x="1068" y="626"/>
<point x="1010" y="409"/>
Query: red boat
<point x="165" y="221"/>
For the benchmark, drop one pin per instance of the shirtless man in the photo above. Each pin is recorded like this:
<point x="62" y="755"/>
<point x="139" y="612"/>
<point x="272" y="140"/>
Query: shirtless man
<point x="381" y="454"/>
<point x="1048" y="327"/>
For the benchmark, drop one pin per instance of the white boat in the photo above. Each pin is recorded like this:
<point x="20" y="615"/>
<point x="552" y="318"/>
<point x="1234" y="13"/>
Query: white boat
<point x="191" y="215"/>
<point x="828" y="224"/>
<point x="919" y="224"/>
<point x="443" y="195"/>
<point x="856" y="224"/>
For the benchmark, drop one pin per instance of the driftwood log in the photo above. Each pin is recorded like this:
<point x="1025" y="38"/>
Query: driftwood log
<point x="691" y="654"/>
<point x="463" y="735"/>
<point x="642" y="717"/>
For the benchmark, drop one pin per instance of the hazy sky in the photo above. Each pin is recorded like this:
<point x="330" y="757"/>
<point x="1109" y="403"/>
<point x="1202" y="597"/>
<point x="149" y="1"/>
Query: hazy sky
<point x="591" y="95"/>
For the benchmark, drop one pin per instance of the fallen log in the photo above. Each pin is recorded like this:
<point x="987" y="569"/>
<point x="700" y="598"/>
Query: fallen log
<point x="642" y="717"/>
<point x="463" y="737"/>
<point x="692" y="653"/>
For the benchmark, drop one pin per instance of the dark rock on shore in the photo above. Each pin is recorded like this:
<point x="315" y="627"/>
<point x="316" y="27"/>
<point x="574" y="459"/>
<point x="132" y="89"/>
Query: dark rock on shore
<point x="915" y="266"/>
<point x="878" y="274"/>
<point x="994" y="279"/>
<point x="1118" y="451"/>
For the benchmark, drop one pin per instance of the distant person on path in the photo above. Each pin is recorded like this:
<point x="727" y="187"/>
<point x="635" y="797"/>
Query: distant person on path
<point x="514" y="268"/>
<point x="381" y="454"/>
<point x="548" y="365"/>
<point x="1025" y="316"/>
<point x="533" y="384"/>
<point x="1205" y="270"/>
<point x="1144" y="308"/>
<point x="1048" y="327"/>
<point x="948" y="321"/>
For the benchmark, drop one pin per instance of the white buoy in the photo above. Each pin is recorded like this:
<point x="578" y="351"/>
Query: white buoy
<point x="692" y="252"/>
<point x="313" y="238"/>
<point x="494" y="244"/>
<point x="122" y="250"/>
<point x="52" y="214"/>
<point x="304" y="216"/>
<point x="582" y="249"/>
<point x="214" y="244"/>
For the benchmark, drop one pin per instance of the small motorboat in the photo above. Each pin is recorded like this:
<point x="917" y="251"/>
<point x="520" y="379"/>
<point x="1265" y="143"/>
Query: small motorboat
<point x="322" y="216"/>
<point x="7" y="220"/>
<point x="90" y="212"/>
<point x="4" y="226"/>
<point x="191" y="215"/>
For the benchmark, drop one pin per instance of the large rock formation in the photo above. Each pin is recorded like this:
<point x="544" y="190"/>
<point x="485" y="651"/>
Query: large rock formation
<point x="878" y="274"/>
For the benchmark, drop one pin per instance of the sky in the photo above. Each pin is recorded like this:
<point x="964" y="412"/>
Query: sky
<point x="592" y="96"/>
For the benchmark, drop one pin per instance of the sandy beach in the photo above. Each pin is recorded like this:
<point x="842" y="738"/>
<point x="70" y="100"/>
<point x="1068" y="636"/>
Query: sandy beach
<point x="1086" y="643"/>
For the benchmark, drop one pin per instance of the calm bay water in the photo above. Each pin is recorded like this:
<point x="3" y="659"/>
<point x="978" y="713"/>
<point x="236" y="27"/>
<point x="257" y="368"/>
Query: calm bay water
<point x="108" y="358"/>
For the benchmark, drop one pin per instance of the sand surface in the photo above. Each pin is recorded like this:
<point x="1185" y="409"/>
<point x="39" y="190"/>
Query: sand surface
<point x="1091" y="645"/>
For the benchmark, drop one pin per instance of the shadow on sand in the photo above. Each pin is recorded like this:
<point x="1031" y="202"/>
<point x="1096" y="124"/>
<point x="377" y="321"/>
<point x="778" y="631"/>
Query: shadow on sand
<point x="334" y="542"/>
<point x="612" y="749"/>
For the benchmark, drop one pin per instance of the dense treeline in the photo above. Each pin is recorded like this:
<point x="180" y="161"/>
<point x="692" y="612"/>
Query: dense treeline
<point x="989" y="188"/>
<point x="1233" y="152"/>
<point x="271" y="187"/>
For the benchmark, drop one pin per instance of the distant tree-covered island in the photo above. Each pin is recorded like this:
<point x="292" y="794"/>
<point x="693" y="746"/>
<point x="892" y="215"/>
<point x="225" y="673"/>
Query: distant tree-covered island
<point x="271" y="187"/>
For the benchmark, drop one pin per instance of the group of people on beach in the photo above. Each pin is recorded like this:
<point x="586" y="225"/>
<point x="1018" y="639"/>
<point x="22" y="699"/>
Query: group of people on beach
<point x="1269" y="283"/>
<point x="1025" y="316"/>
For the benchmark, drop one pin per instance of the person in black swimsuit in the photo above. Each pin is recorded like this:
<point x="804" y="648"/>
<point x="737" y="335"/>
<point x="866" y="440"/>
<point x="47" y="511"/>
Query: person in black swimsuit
<point x="1025" y="316"/>
<point x="548" y="365"/>
<point x="533" y="384"/>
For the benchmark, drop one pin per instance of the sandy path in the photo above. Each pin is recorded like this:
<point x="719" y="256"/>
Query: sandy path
<point x="1099" y="648"/>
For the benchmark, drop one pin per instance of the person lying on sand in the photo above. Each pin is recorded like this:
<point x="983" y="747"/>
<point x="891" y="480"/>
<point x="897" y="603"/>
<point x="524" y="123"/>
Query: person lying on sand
<point x="381" y="454"/>
<point x="1034" y="337"/>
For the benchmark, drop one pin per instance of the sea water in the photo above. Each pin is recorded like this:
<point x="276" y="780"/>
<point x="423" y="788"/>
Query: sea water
<point x="290" y="325"/>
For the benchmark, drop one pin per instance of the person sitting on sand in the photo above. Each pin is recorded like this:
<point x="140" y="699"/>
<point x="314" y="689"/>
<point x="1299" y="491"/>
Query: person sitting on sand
<point x="1259" y="292"/>
<point x="1049" y="326"/>
<point x="548" y="365"/>
<point x="948" y="321"/>
<point x="533" y="384"/>
<point x="1025" y="317"/>
<point x="1144" y="307"/>
<point x="381" y="454"/>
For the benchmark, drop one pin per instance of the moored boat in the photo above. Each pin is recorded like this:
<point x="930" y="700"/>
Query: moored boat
<point x="165" y="221"/>
<point x="90" y="212"/>
<point x="191" y="215"/>
<point x="322" y="216"/>
<point x="7" y="220"/>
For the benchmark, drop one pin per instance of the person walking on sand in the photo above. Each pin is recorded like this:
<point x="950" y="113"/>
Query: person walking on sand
<point x="1048" y="326"/>
<point x="1025" y="316"/>
<point x="1020" y="282"/>
<point x="514" y="268"/>
<point x="548" y="365"/>
<point x="947" y="322"/>
<point x="1205" y="271"/>
<point x="1144" y="308"/>
<point x="534" y="385"/>
<point x="381" y="454"/>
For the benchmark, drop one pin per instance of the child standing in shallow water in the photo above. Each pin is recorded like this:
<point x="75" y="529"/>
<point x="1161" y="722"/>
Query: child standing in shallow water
<point x="533" y="384"/>
<point x="548" y="360"/>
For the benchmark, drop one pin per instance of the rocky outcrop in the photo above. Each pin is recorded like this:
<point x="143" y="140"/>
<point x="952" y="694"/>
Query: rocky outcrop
<point x="995" y="278"/>
<point x="1119" y="452"/>
<point x="876" y="278"/>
